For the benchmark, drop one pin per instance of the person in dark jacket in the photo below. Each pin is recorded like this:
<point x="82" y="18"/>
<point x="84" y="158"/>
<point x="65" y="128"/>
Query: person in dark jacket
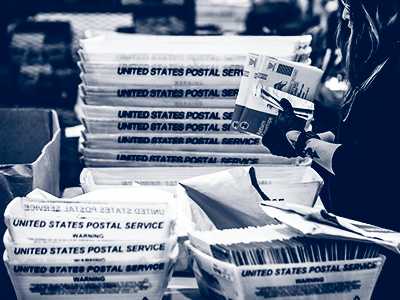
<point x="361" y="157"/>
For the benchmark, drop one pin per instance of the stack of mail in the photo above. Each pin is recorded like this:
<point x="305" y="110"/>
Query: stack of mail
<point x="110" y="243"/>
<point x="168" y="101"/>
<point x="270" y="80"/>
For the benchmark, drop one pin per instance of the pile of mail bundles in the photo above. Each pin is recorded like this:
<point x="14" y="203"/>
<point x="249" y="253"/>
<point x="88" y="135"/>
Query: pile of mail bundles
<point x="162" y="101"/>
<point x="110" y="243"/>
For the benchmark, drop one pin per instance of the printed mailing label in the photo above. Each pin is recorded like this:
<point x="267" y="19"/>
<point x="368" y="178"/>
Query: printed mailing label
<point x="293" y="78"/>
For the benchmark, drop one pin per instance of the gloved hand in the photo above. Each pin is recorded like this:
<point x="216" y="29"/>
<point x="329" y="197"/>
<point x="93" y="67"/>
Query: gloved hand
<point x="275" y="138"/>
<point x="287" y="119"/>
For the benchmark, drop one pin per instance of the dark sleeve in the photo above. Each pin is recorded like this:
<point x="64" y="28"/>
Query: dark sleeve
<point x="373" y="155"/>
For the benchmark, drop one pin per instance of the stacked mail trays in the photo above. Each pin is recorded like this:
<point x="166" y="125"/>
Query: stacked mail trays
<point x="147" y="105"/>
<point x="91" y="248"/>
<point x="255" y="268"/>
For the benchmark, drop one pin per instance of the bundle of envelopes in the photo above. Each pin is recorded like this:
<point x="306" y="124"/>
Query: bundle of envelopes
<point x="278" y="261"/>
<point x="113" y="243"/>
<point x="156" y="101"/>
<point x="270" y="80"/>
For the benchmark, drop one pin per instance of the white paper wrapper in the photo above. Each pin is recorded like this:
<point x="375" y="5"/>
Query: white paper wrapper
<point x="220" y="279"/>
<point x="92" y="280"/>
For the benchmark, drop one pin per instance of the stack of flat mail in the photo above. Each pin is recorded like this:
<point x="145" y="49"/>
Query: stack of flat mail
<point x="168" y="101"/>
<point x="270" y="80"/>
<point x="119" y="243"/>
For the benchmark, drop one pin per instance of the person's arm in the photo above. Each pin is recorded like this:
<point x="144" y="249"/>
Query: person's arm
<point x="320" y="150"/>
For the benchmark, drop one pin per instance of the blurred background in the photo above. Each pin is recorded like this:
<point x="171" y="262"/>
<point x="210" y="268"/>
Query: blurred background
<point x="39" y="41"/>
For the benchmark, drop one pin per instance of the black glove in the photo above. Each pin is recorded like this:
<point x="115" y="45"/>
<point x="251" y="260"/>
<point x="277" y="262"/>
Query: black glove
<point x="287" y="119"/>
<point x="275" y="138"/>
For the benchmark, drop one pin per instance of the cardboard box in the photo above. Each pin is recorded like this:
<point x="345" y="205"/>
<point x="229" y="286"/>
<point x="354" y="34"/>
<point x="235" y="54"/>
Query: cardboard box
<point x="29" y="152"/>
